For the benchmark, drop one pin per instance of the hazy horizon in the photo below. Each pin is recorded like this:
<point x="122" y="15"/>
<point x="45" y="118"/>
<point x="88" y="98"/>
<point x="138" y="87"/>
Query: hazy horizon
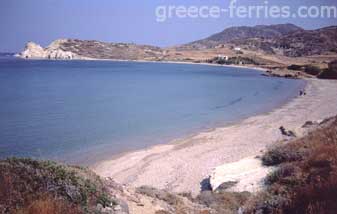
<point x="124" y="21"/>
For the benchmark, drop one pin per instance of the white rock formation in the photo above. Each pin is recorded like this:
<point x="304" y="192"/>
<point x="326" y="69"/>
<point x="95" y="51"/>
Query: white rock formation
<point x="246" y="175"/>
<point x="32" y="51"/>
<point x="59" y="54"/>
<point x="53" y="51"/>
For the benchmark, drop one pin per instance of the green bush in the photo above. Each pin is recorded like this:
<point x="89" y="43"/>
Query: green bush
<point x="283" y="153"/>
<point x="233" y="61"/>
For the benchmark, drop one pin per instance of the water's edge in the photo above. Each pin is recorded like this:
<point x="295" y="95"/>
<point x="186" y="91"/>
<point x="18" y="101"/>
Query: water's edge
<point x="181" y="140"/>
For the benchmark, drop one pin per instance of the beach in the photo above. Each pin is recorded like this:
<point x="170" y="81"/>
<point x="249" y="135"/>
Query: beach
<point x="182" y="165"/>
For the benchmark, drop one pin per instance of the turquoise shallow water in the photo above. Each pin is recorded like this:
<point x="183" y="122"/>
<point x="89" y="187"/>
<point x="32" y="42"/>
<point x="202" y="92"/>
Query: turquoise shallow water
<point x="83" y="111"/>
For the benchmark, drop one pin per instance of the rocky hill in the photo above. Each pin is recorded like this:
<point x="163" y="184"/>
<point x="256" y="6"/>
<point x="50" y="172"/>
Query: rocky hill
<point x="241" y="33"/>
<point x="308" y="42"/>
<point x="90" y="49"/>
<point x="266" y="41"/>
<point x="285" y="39"/>
<point x="35" y="51"/>
<point x="104" y="50"/>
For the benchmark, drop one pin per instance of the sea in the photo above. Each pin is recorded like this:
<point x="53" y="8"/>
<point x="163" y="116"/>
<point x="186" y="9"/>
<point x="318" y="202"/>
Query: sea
<point x="83" y="112"/>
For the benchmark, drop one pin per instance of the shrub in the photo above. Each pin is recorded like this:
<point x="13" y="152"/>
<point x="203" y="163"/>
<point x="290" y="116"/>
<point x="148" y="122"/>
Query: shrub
<point x="223" y="202"/>
<point x="312" y="70"/>
<point x="233" y="61"/>
<point x="284" y="153"/>
<point x="295" y="67"/>
<point x="159" y="194"/>
<point x="49" y="205"/>
<point x="331" y="72"/>
<point x="24" y="184"/>
<point x="306" y="179"/>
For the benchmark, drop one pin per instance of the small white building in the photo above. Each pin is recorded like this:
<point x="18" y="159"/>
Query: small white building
<point x="237" y="49"/>
<point x="223" y="57"/>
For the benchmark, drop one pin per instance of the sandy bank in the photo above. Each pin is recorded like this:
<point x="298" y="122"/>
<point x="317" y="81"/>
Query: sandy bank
<point x="182" y="166"/>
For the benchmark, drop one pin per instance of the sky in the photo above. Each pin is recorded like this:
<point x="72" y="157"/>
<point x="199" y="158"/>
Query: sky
<point x="43" y="21"/>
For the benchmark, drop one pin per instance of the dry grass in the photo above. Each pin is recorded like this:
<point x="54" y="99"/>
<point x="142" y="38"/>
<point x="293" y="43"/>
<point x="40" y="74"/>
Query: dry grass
<point x="306" y="179"/>
<point x="49" y="205"/>
<point x="223" y="202"/>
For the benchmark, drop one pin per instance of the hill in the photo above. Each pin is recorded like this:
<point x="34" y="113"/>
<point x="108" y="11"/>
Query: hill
<point x="308" y="42"/>
<point x="241" y="33"/>
<point x="90" y="49"/>
<point x="272" y="47"/>
<point x="285" y="39"/>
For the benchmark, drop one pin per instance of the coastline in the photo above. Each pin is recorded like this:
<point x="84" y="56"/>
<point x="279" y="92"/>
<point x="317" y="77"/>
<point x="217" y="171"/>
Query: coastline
<point x="181" y="165"/>
<point x="179" y="140"/>
<point x="263" y="70"/>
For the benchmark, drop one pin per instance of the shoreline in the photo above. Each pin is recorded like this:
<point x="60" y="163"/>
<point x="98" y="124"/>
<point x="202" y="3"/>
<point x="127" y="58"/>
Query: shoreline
<point x="263" y="70"/>
<point x="179" y="140"/>
<point x="174" y="140"/>
<point x="182" y="164"/>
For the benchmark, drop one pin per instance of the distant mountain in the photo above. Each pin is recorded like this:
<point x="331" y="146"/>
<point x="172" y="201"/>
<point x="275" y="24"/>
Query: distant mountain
<point x="244" y="32"/>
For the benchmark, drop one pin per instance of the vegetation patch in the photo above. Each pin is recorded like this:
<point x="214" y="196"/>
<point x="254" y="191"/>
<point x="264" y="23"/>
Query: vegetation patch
<point x="312" y="70"/>
<point x="237" y="60"/>
<point x="295" y="67"/>
<point x="331" y="72"/>
<point x="223" y="202"/>
<point x="27" y="186"/>
<point x="306" y="178"/>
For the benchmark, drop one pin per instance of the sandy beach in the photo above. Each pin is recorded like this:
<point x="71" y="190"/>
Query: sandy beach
<point x="181" y="165"/>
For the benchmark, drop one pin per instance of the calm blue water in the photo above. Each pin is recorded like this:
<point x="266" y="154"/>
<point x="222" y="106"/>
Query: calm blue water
<point x="84" y="111"/>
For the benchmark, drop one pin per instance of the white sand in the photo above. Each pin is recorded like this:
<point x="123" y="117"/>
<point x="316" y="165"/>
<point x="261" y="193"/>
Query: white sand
<point x="181" y="166"/>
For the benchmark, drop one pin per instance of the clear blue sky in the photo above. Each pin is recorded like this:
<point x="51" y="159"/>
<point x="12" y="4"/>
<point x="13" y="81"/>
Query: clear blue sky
<point x="43" y="21"/>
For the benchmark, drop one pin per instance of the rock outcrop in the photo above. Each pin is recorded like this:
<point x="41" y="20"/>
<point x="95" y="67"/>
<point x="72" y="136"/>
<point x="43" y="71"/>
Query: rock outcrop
<point x="53" y="51"/>
<point x="90" y="49"/>
<point x="32" y="50"/>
